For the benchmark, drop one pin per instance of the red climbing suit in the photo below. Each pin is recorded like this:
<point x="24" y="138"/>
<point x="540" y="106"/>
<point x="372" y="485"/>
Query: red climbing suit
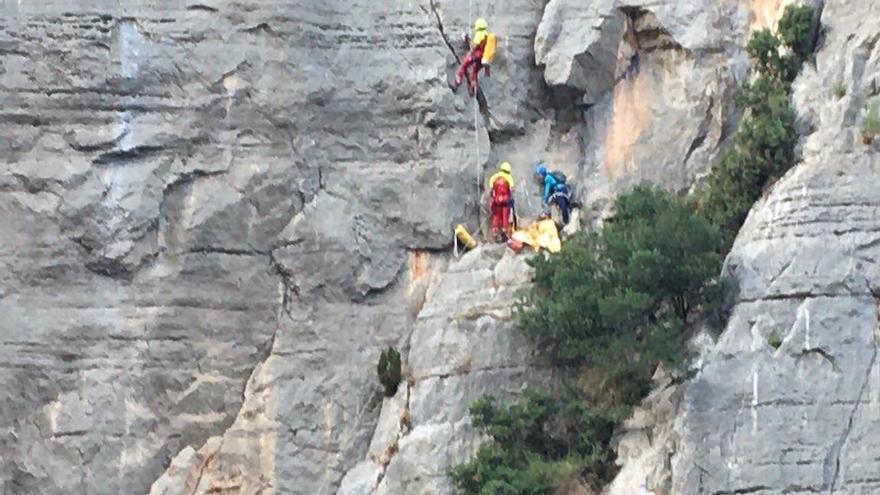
<point x="500" y="206"/>
<point x="478" y="57"/>
<point x="470" y="67"/>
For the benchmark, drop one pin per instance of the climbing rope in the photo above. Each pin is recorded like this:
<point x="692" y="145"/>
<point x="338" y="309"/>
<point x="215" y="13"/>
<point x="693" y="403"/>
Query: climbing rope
<point x="476" y="122"/>
<point x="477" y="146"/>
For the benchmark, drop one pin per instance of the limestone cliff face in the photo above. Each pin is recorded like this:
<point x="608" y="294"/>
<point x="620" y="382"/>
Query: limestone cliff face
<point x="801" y="418"/>
<point x="215" y="214"/>
<point x="654" y="81"/>
<point x="211" y="213"/>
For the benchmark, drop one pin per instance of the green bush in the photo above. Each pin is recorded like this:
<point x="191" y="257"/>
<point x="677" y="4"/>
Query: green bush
<point x="764" y="149"/>
<point x="871" y="121"/>
<point x="763" y="49"/>
<point x="616" y="301"/>
<point x="839" y="90"/>
<point x="388" y="370"/>
<point x="764" y="146"/>
<point x="796" y="30"/>
<point x="537" y="445"/>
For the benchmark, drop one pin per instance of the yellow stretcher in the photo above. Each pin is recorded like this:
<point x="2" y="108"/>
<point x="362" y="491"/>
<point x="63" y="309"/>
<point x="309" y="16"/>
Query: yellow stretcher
<point x="539" y="235"/>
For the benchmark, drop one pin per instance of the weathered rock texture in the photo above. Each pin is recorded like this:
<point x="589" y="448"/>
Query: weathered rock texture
<point x="209" y="216"/>
<point x="801" y="418"/>
<point x="644" y="442"/>
<point x="213" y="215"/>
<point x="463" y="345"/>
<point x="653" y="81"/>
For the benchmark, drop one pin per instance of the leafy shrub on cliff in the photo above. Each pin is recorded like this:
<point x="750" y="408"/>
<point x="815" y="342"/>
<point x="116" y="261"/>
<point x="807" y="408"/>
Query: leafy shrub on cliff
<point x="613" y="305"/>
<point x="764" y="146"/>
<point x="797" y="31"/>
<point x="871" y="121"/>
<point x="388" y="370"/>
<point x="538" y="444"/>
<point x="616" y="301"/>
<point x="764" y="149"/>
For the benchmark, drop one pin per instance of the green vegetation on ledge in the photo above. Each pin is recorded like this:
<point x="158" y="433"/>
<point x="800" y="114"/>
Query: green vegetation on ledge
<point x="543" y="442"/>
<point x="389" y="370"/>
<point x="764" y="146"/>
<point x="871" y="121"/>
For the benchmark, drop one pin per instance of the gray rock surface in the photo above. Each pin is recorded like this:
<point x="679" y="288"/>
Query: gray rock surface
<point x="653" y="82"/>
<point x="645" y="440"/>
<point x="463" y="345"/>
<point x="209" y="214"/>
<point x="801" y="418"/>
<point x="213" y="215"/>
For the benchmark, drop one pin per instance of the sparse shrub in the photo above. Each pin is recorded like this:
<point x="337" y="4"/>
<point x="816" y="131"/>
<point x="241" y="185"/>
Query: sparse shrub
<point x="538" y="445"/>
<point x="764" y="146"/>
<point x="774" y="340"/>
<point x="871" y="121"/>
<point x="839" y="90"/>
<point x="388" y="370"/>
<point x="796" y="30"/>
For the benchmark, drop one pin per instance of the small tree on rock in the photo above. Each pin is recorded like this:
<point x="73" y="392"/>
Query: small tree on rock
<point x="389" y="370"/>
<point x="616" y="303"/>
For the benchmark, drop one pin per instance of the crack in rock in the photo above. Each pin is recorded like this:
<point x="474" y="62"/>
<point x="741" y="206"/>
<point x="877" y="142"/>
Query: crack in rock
<point x="822" y="353"/>
<point x="441" y="29"/>
<point x="835" y="452"/>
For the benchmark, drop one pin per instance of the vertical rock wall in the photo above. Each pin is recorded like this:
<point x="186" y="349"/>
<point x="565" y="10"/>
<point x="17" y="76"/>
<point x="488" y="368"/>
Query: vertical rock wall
<point x="653" y="82"/>
<point x="788" y="399"/>
<point x="198" y="194"/>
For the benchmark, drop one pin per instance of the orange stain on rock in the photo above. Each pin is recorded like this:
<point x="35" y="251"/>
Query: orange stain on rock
<point x="630" y="116"/>
<point x="419" y="266"/>
<point x="766" y="13"/>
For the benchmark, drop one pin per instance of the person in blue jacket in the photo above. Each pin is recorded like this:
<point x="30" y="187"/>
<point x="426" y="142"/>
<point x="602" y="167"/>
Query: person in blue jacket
<point x="555" y="191"/>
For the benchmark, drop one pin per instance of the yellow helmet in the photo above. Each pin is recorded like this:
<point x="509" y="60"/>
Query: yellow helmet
<point x="481" y="24"/>
<point x="506" y="168"/>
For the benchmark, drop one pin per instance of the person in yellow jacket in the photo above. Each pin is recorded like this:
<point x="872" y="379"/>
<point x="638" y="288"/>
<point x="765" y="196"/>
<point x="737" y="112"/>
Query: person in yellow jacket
<point x="501" y="201"/>
<point x="505" y="171"/>
<point x="481" y="54"/>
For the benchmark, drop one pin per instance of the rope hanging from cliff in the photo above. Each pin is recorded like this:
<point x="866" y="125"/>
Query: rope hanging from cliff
<point x="476" y="117"/>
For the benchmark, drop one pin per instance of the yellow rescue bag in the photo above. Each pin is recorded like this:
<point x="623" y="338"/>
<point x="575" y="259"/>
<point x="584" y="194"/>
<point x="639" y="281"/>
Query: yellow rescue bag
<point x="489" y="49"/>
<point x="465" y="237"/>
